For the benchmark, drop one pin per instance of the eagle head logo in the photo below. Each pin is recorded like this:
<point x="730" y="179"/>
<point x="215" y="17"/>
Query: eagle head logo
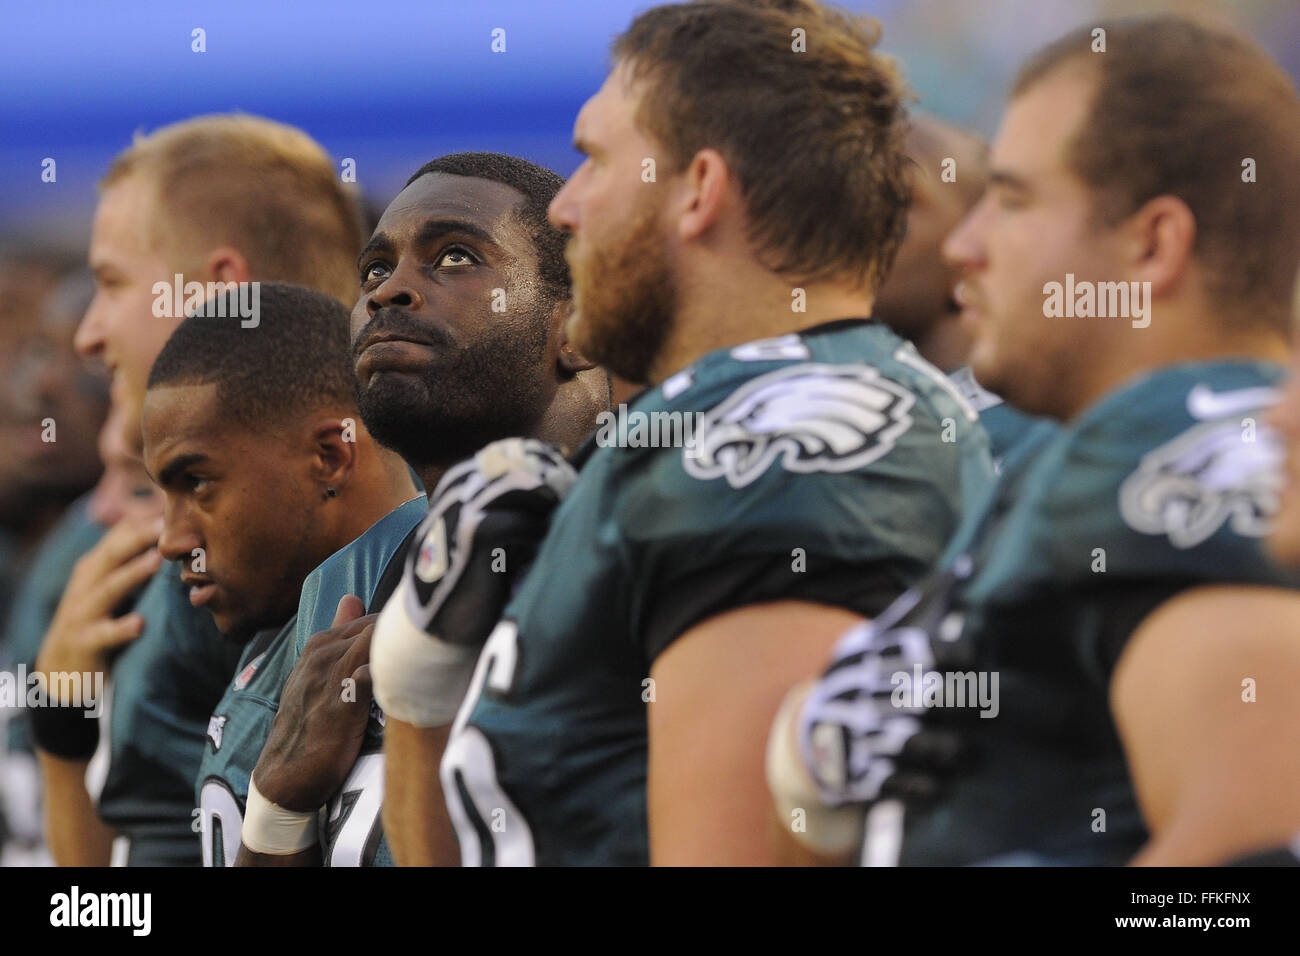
<point x="812" y="416"/>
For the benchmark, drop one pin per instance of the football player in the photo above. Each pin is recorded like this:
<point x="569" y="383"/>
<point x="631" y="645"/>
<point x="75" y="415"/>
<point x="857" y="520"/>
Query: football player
<point x="1104" y="669"/>
<point x="735" y="212"/>
<point x="194" y="200"/>
<point x="39" y="477"/>
<point x="457" y="339"/>
<point x="253" y="435"/>
<point x="48" y="388"/>
<point x="949" y="170"/>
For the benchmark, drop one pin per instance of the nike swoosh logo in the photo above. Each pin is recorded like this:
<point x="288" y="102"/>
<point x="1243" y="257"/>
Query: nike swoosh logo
<point x="1205" y="405"/>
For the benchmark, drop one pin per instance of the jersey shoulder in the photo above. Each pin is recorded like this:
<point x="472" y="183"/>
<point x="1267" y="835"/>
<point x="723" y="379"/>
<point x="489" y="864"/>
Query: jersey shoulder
<point x="828" y="466"/>
<point x="1173" y="477"/>
<point x="821" y="429"/>
<point x="355" y="568"/>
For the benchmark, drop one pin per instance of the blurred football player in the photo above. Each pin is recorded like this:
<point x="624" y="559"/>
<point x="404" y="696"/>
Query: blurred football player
<point x="43" y="469"/>
<point x="1103" y="670"/>
<point x="53" y="404"/>
<point x="457" y="339"/>
<point x="949" y="170"/>
<point x="728" y="260"/>
<point x="214" y="199"/>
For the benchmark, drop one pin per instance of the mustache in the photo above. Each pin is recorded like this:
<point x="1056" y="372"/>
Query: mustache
<point x="393" y="322"/>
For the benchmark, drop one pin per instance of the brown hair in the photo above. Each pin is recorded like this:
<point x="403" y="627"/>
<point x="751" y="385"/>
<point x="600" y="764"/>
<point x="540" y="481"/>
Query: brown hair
<point x="267" y="189"/>
<point x="1178" y="107"/>
<point x="815" y="138"/>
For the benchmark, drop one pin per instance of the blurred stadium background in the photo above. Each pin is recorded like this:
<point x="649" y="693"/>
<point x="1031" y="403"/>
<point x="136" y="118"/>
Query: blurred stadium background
<point x="396" y="83"/>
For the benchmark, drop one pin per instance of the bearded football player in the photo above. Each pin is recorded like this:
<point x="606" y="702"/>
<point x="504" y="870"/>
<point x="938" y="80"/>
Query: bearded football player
<point x="457" y="339"/>
<point x="1114" y="598"/>
<point x="617" y="713"/>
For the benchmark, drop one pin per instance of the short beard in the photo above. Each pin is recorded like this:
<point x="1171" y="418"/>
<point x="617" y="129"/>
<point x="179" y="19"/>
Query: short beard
<point x="495" y="387"/>
<point x="625" y="302"/>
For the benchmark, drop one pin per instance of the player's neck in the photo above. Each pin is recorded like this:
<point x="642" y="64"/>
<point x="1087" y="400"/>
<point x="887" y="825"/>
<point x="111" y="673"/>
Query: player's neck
<point x="749" y="307"/>
<point x="944" y="344"/>
<point x="571" y="417"/>
<point x="384" y="485"/>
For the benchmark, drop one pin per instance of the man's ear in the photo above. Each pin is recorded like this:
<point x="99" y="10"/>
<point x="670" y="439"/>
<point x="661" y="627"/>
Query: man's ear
<point x="334" y="445"/>
<point x="1162" y="235"/>
<point x="568" y="359"/>
<point x="226" y="264"/>
<point x="702" y="194"/>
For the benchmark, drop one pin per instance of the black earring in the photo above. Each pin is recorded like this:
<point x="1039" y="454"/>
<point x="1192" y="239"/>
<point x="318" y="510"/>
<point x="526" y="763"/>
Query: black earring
<point x="330" y="493"/>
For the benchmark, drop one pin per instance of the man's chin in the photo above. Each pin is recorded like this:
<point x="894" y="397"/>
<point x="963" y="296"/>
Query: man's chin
<point x="236" y="631"/>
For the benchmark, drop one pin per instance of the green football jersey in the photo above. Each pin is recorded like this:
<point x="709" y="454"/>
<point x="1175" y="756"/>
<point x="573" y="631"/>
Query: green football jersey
<point x="241" y="721"/>
<point x="161" y="692"/>
<point x="1010" y="430"/>
<point x="815" y="469"/>
<point x="1166" y="483"/>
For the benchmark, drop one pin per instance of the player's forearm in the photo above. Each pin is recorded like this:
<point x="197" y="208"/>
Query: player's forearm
<point x="73" y="830"/>
<point x="416" y="821"/>
<point x="1218" y="820"/>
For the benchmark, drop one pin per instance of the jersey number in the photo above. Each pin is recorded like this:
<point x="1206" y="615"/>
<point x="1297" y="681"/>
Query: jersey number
<point x="352" y="833"/>
<point x="489" y="827"/>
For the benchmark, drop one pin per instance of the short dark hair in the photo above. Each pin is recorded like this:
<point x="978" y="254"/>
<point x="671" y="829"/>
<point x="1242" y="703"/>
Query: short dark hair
<point x="539" y="186"/>
<point x="1177" y="107"/>
<point x="296" y="359"/>
<point x="814" y="136"/>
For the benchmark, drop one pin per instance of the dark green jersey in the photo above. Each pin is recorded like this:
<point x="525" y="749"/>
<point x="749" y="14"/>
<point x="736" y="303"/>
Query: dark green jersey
<point x="1164" y="484"/>
<point x="237" y="730"/>
<point x="242" y="719"/>
<point x="162" y="689"/>
<point x="1010" y="430"/>
<point x="39" y="595"/>
<point x="815" y="469"/>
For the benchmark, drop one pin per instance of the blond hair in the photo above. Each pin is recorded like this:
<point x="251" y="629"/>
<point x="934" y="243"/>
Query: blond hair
<point x="264" y="188"/>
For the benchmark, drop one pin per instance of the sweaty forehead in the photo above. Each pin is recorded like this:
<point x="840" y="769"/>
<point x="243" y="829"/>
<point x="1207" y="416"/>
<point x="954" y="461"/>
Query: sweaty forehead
<point x="484" y="203"/>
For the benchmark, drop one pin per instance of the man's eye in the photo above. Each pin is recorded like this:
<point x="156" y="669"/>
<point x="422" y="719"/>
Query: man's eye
<point x="373" y="271"/>
<point x="455" y="256"/>
<point x="1009" y="200"/>
<point x="195" y="483"/>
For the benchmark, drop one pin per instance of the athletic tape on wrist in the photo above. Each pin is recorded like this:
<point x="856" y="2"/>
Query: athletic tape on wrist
<point x="827" y="830"/>
<point x="271" y="829"/>
<point x="417" y="679"/>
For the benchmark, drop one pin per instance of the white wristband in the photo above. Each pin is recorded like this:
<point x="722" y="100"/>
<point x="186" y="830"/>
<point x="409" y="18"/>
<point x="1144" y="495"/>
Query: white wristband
<point x="417" y="679"/>
<point x="270" y="828"/>
<point x="823" y="829"/>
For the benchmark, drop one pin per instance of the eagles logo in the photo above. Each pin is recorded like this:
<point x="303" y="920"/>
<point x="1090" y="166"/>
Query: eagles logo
<point x="1188" y="488"/>
<point x="814" y="417"/>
